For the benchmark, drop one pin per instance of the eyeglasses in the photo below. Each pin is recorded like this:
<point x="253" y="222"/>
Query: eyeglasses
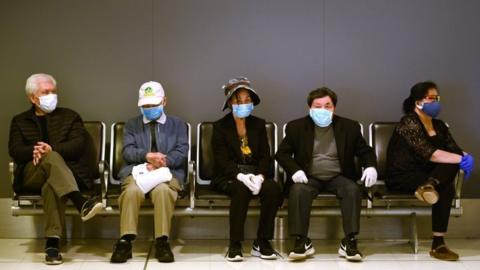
<point x="433" y="98"/>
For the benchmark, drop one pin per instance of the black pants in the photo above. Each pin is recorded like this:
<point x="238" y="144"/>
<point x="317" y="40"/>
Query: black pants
<point x="301" y="197"/>
<point x="270" y="200"/>
<point x="445" y="174"/>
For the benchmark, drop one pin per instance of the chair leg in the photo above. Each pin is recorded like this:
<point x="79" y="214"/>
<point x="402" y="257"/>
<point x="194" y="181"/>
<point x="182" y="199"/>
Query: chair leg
<point x="413" y="233"/>
<point x="279" y="228"/>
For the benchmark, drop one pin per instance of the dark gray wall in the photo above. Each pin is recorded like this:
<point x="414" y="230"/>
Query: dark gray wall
<point x="370" y="52"/>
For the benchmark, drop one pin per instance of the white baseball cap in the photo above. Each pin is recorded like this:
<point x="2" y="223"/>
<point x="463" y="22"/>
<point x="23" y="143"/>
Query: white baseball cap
<point x="150" y="93"/>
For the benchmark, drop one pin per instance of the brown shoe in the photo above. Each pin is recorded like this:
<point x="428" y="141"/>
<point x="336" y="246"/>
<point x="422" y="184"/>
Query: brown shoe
<point x="442" y="252"/>
<point x="427" y="193"/>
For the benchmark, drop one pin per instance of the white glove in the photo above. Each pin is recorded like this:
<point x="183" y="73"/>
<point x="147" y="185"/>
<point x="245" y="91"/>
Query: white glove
<point x="257" y="181"/>
<point x="369" y="176"/>
<point x="247" y="181"/>
<point x="299" y="177"/>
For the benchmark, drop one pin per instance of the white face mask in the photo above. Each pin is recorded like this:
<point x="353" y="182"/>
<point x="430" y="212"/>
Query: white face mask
<point x="48" y="103"/>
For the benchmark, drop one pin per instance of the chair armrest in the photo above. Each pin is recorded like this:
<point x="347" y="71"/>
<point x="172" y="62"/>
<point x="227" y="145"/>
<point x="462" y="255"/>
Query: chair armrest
<point x="459" y="179"/>
<point x="282" y="177"/>
<point x="192" y="179"/>
<point x="11" y="171"/>
<point x="104" y="171"/>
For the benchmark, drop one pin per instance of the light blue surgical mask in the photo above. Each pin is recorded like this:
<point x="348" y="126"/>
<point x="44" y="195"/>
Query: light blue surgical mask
<point x="321" y="117"/>
<point x="242" y="110"/>
<point x="152" y="113"/>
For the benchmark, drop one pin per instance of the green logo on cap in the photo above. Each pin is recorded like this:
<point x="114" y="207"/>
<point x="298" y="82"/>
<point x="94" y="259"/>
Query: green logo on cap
<point x="148" y="91"/>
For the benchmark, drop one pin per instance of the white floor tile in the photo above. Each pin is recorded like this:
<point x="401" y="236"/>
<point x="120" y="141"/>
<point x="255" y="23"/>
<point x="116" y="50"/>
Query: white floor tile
<point x="471" y="265"/>
<point x="20" y="254"/>
<point x="130" y="265"/>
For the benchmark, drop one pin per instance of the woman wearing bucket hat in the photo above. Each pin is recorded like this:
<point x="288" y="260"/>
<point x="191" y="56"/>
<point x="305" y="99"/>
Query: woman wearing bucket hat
<point x="244" y="168"/>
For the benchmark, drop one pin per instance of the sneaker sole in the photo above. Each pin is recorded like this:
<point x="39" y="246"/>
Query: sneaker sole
<point x="297" y="257"/>
<point x="355" y="258"/>
<point x="236" y="259"/>
<point x="54" y="262"/>
<point x="265" y="257"/>
<point x="121" y="261"/>
<point x="443" y="258"/>
<point x="166" y="260"/>
<point x="98" y="207"/>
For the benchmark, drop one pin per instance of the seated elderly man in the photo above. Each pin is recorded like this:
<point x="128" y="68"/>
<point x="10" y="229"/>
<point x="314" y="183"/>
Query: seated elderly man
<point x="155" y="153"/>
<point x="47" y="143"/>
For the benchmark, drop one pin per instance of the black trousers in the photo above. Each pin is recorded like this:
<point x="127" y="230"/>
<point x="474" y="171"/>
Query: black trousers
<point x="445" y="174"/>
<point x="301" y="197"/>
<point x="270" y="200"/>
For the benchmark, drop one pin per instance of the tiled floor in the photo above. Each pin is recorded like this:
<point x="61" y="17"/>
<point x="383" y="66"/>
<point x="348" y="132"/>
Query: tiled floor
<point x="208" y="254"/>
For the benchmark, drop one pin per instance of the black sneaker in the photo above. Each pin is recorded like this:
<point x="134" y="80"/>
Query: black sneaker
<point x="303" y="249"/>
<point x="263" y="249"/>
<point x="53" y="256"/>
<point x="90" y="208"/>
<point x="122" y="251"/>
<point x="234" y="253"/>
<point x="163" y="253"/>
<point x="348" y="249"/>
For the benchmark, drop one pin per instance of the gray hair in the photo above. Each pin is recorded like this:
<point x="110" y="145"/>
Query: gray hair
<point x="32" y="82"/>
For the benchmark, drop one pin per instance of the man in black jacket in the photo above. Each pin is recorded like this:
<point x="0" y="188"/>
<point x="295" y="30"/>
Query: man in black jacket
<point x="48" y="145"/>
<point x="318" y="154"/>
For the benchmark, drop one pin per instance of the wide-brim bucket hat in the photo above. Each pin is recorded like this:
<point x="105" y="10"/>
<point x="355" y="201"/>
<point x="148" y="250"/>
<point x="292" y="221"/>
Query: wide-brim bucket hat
<point x="236" y="84"/>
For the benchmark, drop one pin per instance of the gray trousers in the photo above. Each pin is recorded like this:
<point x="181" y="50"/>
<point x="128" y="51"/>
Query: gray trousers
<point x="301" y="197"/>
<point x="55" y="180"/>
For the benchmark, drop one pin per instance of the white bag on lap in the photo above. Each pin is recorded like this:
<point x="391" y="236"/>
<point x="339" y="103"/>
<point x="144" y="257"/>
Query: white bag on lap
<point x="147" y="180"/>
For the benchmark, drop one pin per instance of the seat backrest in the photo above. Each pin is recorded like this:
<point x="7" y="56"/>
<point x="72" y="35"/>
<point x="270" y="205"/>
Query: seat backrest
<point x="116" y="145"/>
<point x="380" y="134"/>
<point x="96" y="130"/>
<point x="116" y="158"/>
<point x="205" y="158"/>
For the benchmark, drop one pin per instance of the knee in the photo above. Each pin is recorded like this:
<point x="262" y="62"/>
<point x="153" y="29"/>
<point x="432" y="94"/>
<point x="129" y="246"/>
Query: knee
<point x="132" y="192"/>
<point x="270" y="188"/>
<point x="239" y="190"/>
<point x="297" y="190"/>
<point x="162" y="190"/>
<point x="299" y="193"/>
<point x="47" y="190"/>
<point x="53" y="157"/>
<point x="351" y="190"/>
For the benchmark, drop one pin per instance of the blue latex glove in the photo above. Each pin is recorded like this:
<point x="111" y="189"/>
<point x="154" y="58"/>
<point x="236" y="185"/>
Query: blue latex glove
<point x="467" y="164"/>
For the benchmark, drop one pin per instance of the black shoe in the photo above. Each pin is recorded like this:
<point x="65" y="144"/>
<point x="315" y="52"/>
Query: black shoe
<point x="263" y="249"/>
<point x="234" y="253"/>
<point x="348" y="249"/>
<point x="90" y="208"/>
<point x="303" y="249"/>
<point x="53" y="256"/>
<point x="122" y="251"/>
<point x="163" y="253"/>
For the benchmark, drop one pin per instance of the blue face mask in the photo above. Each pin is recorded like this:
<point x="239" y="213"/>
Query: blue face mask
<point x="432" y="109"/>
<point x="321" y="117"/>
<point x="242" y="110"/>
<point x="152" y="113"/>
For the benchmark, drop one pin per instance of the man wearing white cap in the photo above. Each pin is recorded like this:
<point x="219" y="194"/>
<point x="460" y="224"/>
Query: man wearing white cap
<point x="155" y="152"/>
